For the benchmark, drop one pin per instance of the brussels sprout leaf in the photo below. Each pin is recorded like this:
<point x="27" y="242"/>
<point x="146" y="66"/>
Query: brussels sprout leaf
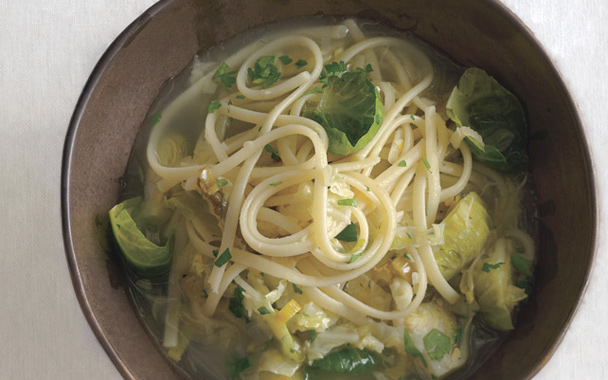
<point x="347" y="360"/>
<point x="481" y="103"/>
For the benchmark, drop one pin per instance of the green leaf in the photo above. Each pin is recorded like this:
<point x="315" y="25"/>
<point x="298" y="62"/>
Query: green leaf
<point x="263" y="310"/>
<point x="402" y="163"/>
<point x="275" y="184"/>
<point x="224" y="74"/>
<point x="522" y="265"/>
<point x="221" y="182"/>
<point x="301" y="63"/>
<point x="332" y="69"/>
<point x="481" y="103"/>
<point x="354" y="258"/>
<point x="285" y="59"/>
<point x="487" y="267"/>
<point x="347" y="360"/>
<point x="348" y="202"/>
<point x="265" y="72"/>
<point x="154" y="119"/>
<point x="296" y="289"/>
<point x="313" y="335"/>
<point x="407" y="256"/>
<point x="237" y="365"/>
<point x="349" y="233"/>
<point x="410" y="348"/>
<point x="350" y="110"/>
<point x="437" y="344"/>
<point x="143" y="256"/>
<point x="236" y="303"/>
<point x="426" y="164"/>
<point x="223" y="258"/>
<point x="457" y="336"/>
<point x="215" y="104"/>
<point x="273" y="153"/>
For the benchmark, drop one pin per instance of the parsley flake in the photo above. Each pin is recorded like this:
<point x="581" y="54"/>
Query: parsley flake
<point x="412" y="117"/>
<point x="265" y="72"/>
<point x="406" y="256"/>
<point x="224" y="74"/>
<point x="426" y="163"/>
<point x="402" y="163"/>
<point x="437" y="344"/>
<point x="285" y="60"/>
<point x="263" y="310"/>
<point x="348" y="202"/>
<point x="240" y="96"/>
<point x="223" y="258"/>
<point x="215" y="104"/>
<point x="275" y="184"/>
<point x="301" y="63"/>
<point x="410" y="348"/>
<point x="296" y="289"/>
<point x="313" y="335"/>
<point x="221" y="182"/>
<point x="354" y="258"/>
<point x="154" y="119"/>
<point x="349" y="233"/>
<point x="486" y="266"/>
<point x="273" y="153"/>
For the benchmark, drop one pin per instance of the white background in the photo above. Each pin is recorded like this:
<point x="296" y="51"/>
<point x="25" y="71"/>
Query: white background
<point x="48" y="48"/>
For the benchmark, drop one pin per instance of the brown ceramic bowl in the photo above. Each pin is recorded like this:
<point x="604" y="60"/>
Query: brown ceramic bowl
<point x="162" y="42"/>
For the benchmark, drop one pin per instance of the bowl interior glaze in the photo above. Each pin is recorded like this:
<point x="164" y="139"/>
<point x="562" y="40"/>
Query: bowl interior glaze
<point x="162" y="42"/>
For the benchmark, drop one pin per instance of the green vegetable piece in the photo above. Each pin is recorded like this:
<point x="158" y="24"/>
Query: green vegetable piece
<point x="236" y="303"/>
<point x="143" y="256"/>
<point x="215" y="104"/>
<point x="457" y="336"/>
<point x="296" y="289"/>
<point x="437" y="344"/>
<point x="332" y="69"/>
<point x="354" y="258"/>
<point x="410" y="348"/>
<point x="522" y="265"/>
<point x="285" y="59"/>
<point x="237" y="365"/>
<point x="481" y="103"/>
<point x="223" y="258"/>
<point x="350" y="110"/>
<point x="348" y="202"/>
<point x="494" y="289"/>
<point x="273" y="153"/>
<point x="402" y="164"/>
<point x="301" y="63"/>
<point x="221" y="182"/>
<point x="313" y="335"/>
<point x="154" y="119"/>
<point x="263" y="310"/>
<point x="347" y="360"/>
<point x="265" y="72"/>
<point x="224" y="74"/>
<point x="487" y="267"/>
<point x="465" y="234"/>
<point x="426" y="164"/>
<point x="275" y="184"/>
<point x="348" y="234"/>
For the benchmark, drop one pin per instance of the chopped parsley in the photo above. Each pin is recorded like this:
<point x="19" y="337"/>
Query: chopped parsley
<point x="301" y="63"/>
<point x="437" y="344"/>
<point x="406" y="256"/>
<point x="273" y="153"/>
<point x="486" y="266"/>
<point x="296" y="289"/>
<point x="332" y="69"/>
<point x="205" y="294"/>
<point x="408" y="235"/>
<point x="367" y="187"/>
<point x="313" y="335"/>
<point x="223" y="258"/>
<point x="221" y="182"/>
<point x="215" y="104"/>
<point x="264" y="72"/>
<point x="410" y="348"/>
<point x="215" y="252"/>
<point x="285" y="60"/>
<point x="263" y="310"/>
<point x="349" y="233"/>
<point x="224" y="74"/>
<point x="426" y="163"/>
<point x="402" y="163"/>
<point x="348" y="202"/>
<point x="154" y="119"/>
<point x="240" y="96"/>
<point x="413" y="117"/>
<point x="522" y="265"/>
<point x="236" y="303"/>
<point x="275" y="184"/>
<point x="457" y="336"/>
<point x="237" y="365"/>
<point x="354" y="258"/>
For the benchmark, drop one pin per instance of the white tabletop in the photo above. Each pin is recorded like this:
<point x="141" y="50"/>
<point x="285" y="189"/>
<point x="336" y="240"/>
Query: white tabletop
<point x="48" y="48"/>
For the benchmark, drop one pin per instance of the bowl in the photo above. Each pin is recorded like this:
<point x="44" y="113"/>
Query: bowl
<point x="161" y="43"/>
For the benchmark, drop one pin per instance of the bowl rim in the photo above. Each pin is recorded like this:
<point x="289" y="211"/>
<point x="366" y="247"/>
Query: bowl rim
<point x="134" y="28"/>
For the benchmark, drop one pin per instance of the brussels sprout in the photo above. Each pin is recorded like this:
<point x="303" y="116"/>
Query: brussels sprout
<point x="350" y="110"/>
<point x="465" y="235"/>
<point x="143" y="256"/>
<point x="494" y="287"/>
